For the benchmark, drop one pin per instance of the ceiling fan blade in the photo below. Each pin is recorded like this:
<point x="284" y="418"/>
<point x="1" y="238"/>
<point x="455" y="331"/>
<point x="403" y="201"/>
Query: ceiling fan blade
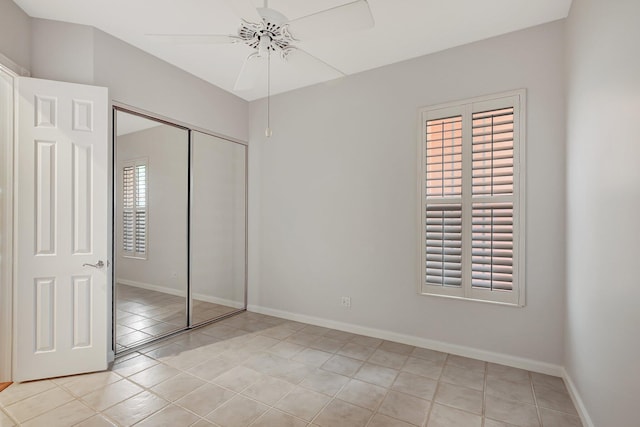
<point x="304" y="62"/>
<point x="251" y="69"/>
<point x="195" y="38"/>
<point x="349" y="17"/>
<point x="245" y="10"/>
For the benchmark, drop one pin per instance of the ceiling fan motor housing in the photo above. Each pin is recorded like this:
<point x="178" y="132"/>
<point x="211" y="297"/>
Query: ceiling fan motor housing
<point x="272" y="31"/>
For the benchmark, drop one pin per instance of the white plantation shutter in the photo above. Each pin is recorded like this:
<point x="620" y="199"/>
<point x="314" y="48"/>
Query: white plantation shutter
<point x="134" y="203"/>
<point x="471" y="191"/>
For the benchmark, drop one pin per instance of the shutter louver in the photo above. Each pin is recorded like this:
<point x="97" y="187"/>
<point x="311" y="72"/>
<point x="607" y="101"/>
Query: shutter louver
<point x="134" y="212"/>
<point x="492" y="168"/>
<point x="444" y="157"/>
<point x="492" y="246"/>
<point x="444" y="245"/>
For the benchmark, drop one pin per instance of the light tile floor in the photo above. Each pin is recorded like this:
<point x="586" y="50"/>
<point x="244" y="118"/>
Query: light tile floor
<point x="143" y="314"/>
<point x="260" y="371"/>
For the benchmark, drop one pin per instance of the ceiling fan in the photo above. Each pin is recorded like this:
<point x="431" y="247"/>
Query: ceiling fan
<point x="268" y="31"/>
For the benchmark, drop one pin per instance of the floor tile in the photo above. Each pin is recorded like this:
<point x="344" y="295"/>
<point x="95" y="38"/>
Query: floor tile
<point x="324" y="382"/>
<point x="133" y="365"/>
<point x="405" y="407"/>
<point x="96" y="421"/>
<point x="466" y="363"/>
<point x="387" y="358"/>
<point x="415" y="385"/>
<point x="396" y="347"/>
<point x="355" y="351"/>
<point x="39" y="404"/>
<point x="444" y="416"/>
<point x="366" y="341"/>
<point x="380" y="420"/>
<point x="5" y="420"/>
<point x="378" y="375"/>
<point x="275" y="418"/>
<point x="63" y="416"/>
<point x="342" y="414"/>
<point x="430" y="355"/>
<point x="238" y="378"/>
<point x="268" y="390"/>
<point x="205" y="399"/>
<point x="18" y="391"/>
<point x="459" y="397"/>
<point x="548" y="381"/>
<point x="301" y="338"/>
<point x="237" y="412"/>
<point x="362" y="394"/>
<point x="342" y="365"/>
<point x="286" y="349"/>
<point x="211" y="368"/>
<point x="507" y="373"/>
<point x="512" y="412"/>
<point x="176" y="387"/>
<point x="520" y="391"/>
<point x="170" y="416"/>
<point x="135" y="408"/>
<point x="329" y="345"/>
<point x="111" y="394"/>
<point x="552" y="399"/>
<point x="315" y="330"/>
<point x="79" y="385"/>
<point x="463" y="377"/>
<point x="154" y="375"/>
<point x="303" y="403"/>
<point x="312" y="357"/>
<point x="423" y="367"/>
<point x="339" y="335"/>
<point x="552" y="418"/>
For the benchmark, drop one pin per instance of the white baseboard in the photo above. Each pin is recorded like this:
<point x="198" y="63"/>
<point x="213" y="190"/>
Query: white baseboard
<point x="216" y="300"/>
<point x="577" y="400"/>
<point x="149" y="286"/>
<point x="488" y="356"/>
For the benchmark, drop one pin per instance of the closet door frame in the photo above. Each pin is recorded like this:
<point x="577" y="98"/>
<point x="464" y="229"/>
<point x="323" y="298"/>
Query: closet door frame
<point x="125" y="108"/>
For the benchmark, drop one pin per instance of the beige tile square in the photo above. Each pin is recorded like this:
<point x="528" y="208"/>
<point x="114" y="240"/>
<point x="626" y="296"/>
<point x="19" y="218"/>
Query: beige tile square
<point x="378" y="375"/>
<point x="509" y="411"/>
<point x="362" y="394"/>
<point x="315" y="330"/>
<point x="170" y="416"/>
<point x="18" y="391"/>
<point x="339" y="335"/>
<point x="415" y="385"/>
<point x="552" y="418"/>
<point x="380" y="420"/>
<point x="188" y="359"/>
<point x="552" y="399"/>
<point x="459" y="397"/>
<point x="154" y="375"/>
<point x="277" y="332"/>
<point x="430" y="355"/>
<point x="444" y="416"/>
<point x="423" y="367"/>
<point x="135" y="408"/>
<point x="324" y="382"/>
<point x="355" y="351"/>
<point x="5" y="420"/>
<point x="238" y="378"/>
<point x="330" y="345"/>
<point x="387" y="358"/>
<point x="493" y="423"/>
<point x="286" y="349"/>
<point x="63" y="416"/>
<point x="549" y="381"/>
<point x="111" y="394"/>
<point x="38" y="404"/>
<point x="96" y="421"/>
<point x="396" y="347"/>
<point x="275" y="418"/>
<point x="342" y="414"/>
<point x="176" y="387"/>
<point x="466" y="363"/>
<point x="237" y="412"/>
<point x="507" y="373"/>
<point x="312" y="357"/>
<point x="520" y="391"/>
<point x="211" y="368"/>
<point x="405" y="407"/>
<point x="79" y="385"/>
<point x="301" y="338"/>
<point x="366" y="341"/>
<point x="205" y="399"/>
<point x="132" y="365"/>
<point x="303" y="403"/>
<point x="463" y="377"/>
<point x="342" y="365"/>
<point x="268" y="390"/>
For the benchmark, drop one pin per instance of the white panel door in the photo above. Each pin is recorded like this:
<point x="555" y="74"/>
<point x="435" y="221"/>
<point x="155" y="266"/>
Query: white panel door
<point x="60" y="230"/>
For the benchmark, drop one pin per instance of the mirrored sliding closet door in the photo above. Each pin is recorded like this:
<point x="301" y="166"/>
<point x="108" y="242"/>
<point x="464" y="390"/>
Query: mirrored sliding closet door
<point x="179" y="228"/>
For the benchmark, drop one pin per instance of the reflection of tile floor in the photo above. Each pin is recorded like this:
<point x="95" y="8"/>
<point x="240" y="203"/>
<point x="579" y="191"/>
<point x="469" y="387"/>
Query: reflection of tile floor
<point x="263" y="371"/>
<point x="142" y="314"/>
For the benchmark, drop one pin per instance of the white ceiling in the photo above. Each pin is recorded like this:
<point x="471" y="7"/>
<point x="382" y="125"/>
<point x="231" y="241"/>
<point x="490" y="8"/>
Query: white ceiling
<point x="403" y="29"/>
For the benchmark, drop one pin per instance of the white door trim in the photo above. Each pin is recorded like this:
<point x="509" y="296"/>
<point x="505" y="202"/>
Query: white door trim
<point x="6" y="233"/>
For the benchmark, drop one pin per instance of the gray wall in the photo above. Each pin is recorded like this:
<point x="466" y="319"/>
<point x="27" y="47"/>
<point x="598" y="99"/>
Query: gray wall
<point x="15" y="34"/>
<point x="334" y="203"/>
<point x="603" y="182"/>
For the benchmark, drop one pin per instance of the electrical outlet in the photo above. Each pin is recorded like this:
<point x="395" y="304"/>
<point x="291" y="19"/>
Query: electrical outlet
<point x="346" y="302"/>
